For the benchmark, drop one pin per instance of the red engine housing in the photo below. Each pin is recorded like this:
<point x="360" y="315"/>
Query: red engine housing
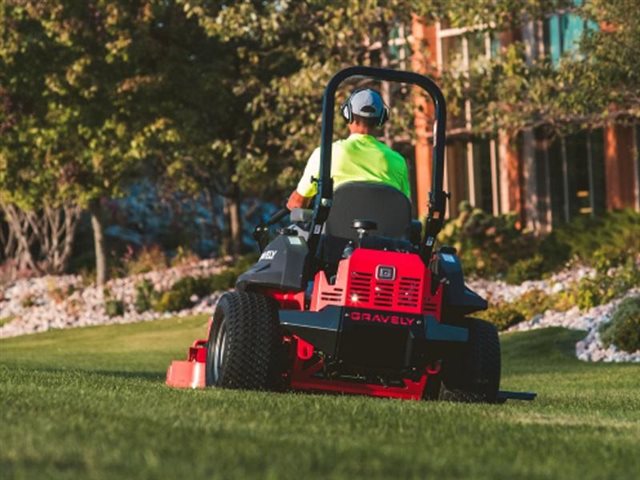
<point x="380" y="281"/>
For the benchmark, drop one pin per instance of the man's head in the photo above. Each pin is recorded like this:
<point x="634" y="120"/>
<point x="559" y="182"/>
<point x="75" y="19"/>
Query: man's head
<point x="364" y="110"/>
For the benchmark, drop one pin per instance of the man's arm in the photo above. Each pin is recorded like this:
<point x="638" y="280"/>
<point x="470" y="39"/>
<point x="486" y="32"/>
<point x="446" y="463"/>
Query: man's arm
<point x="306" y="189"/>
<point x="298" y="201"/>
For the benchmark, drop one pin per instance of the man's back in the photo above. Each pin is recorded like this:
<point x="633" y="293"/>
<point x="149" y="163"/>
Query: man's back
<point x="359" y="158"/>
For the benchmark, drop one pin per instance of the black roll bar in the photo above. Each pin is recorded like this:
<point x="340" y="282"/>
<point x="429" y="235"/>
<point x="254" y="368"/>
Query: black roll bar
<point x="437" y="197"/>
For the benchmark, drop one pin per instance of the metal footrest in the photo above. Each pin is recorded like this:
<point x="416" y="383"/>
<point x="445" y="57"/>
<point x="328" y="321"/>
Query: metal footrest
<point x="504" y="395"/>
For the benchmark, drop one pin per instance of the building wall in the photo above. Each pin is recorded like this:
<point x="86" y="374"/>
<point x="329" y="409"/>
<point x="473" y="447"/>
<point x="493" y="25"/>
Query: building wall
<point x="543" y="180"/>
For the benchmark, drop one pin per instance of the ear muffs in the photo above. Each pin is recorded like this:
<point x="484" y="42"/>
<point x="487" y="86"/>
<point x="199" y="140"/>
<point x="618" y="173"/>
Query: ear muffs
<point x="384" y="116"/>
<point x="347" y="111"/>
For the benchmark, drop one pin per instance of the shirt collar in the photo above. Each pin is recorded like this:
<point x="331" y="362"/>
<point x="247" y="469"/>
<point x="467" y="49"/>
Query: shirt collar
<point x="360" y="135"/>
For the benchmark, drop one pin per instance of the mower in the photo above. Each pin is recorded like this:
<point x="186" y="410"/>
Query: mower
<point x="352" y="298"/>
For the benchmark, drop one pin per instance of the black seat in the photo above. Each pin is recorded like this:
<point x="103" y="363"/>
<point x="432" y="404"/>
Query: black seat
<point x="385" y="205"/>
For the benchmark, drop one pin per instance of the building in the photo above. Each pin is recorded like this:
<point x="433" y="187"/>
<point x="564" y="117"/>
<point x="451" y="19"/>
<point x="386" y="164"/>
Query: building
<point x="545" y="182"/>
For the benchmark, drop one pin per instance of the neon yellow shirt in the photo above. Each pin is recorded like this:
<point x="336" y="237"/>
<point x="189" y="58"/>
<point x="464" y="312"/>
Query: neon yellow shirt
<point x="358" y="158"/>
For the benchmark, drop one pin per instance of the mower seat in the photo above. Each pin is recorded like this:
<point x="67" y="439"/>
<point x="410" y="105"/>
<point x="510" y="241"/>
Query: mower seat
<point x="388" y="207"/>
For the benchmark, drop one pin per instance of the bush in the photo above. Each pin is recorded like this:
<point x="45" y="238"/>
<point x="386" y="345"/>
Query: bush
<point x="147" y="260"/>
<point x="525" y="269"/>
<point x="28" y="301"/>
<point x="114" y="308"/>
<point x="173" y="301"/>
<point x="146" y="296"/>
<point x="623" y="330"/>
<point x="184" y="256"/>
<point x="532" y="303"/>
<point x="488" y="245"/>
<point x="496" y="246"/>
<point x="502" y="315"/>
<point x="604" y="287"/>
<point x="187" y="290"/>
<point x="604" y="241"/>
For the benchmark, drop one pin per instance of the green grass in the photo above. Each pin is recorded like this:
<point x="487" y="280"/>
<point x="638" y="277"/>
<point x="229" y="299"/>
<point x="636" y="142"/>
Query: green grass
<point x="90" y="403"/>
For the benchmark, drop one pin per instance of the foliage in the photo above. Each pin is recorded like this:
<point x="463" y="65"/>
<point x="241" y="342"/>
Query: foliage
<point x="531" y="303"/>
<point x="623" y="330"/>
<point x="28" y="301"/>
<point x="183" y="294"/>
<point x="114" y="308"/>
<point x="525" y="269"/>
<point x="605" y="241"/>
<point x="146" y="296"/>
<point x="604" y="286"/>
<point x="502" y="316"/>
<point x="93" y="91"/>
<point x="487" y="245"/>
<point x="6" y="320"/>
<point x="516" y="90"/>
<point x="184" y="256"/>
<point x="495" y="247"/>
<point x="586" y="293"/>
<point x="59" y="294"/>
<point x="186" y="291"/>
<point x="148" y="259"/>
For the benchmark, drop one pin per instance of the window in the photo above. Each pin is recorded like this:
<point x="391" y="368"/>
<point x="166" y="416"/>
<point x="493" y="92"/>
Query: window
<point x="576" y="175"/>
<point x="472" y="167"/>
<point x="562" y="33"/>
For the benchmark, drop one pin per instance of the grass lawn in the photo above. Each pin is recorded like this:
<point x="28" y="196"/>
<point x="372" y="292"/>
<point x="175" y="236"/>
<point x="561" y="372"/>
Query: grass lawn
<point x="91" y="403"/>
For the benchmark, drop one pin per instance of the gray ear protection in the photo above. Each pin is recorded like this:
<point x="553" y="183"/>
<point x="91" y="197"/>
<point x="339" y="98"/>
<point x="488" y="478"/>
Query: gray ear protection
<point x="347" y="111"/>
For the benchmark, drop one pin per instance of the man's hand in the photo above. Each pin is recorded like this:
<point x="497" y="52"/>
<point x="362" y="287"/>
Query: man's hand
<point x="297" y="201"/>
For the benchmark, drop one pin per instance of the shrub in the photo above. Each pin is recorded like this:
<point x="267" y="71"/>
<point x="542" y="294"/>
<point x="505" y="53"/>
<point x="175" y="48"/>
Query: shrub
<point x="525" y="269"/>
<point x="488" y="245"/>
<point x="182" y="293"/>
<point x="604" y="287"/>
<point x="604" y="241"/>
<point x="146" y="296"/>
<point x="184" y="256"/>
<point x="496" y="246"/>
<point x="28" y="301"/>
<point x="114" y="308"/>
<point x="528" y="305"/>
<point x="173" y="301"/>
<point x="148" y="259"/>
<point x="502" y="316"/>
<point x="623" y="330"/>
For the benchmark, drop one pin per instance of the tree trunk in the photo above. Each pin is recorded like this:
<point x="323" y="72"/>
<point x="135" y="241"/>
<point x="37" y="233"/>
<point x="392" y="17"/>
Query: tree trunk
<point x="97" y="225"/>
<point x="232" y="244"/>
<point x="235" y="225"/>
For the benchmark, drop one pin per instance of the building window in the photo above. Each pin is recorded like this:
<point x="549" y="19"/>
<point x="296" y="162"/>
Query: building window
<point x="472" y="172"/>
<point x="562" y="33"/>
<point x="575" y="169"/>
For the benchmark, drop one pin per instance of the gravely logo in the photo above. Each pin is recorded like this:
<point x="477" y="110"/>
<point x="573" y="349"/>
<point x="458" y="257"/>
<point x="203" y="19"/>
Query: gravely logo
<point x="382" y="318"/>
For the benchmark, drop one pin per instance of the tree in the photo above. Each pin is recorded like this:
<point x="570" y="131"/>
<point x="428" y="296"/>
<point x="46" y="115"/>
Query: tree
<point x="84" y="102"/>
<point x="594" y="86"/>
<point x="284" y="53"/>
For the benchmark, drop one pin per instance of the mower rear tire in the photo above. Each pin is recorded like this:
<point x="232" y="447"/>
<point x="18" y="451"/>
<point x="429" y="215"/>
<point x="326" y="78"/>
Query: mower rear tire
<point x="244" y="346"/>
<point x="474" y="375"/>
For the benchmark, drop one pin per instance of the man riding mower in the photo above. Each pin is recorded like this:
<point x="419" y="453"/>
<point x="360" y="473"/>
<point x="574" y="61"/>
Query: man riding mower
<point x="386" y="315"/>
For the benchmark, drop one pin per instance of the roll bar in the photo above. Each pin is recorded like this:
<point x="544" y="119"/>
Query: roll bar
<point x="437" y="197"/>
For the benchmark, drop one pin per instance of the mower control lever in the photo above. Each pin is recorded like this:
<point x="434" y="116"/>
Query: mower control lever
<point x="363" y="227"/>
<point x="261" y="232"/>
